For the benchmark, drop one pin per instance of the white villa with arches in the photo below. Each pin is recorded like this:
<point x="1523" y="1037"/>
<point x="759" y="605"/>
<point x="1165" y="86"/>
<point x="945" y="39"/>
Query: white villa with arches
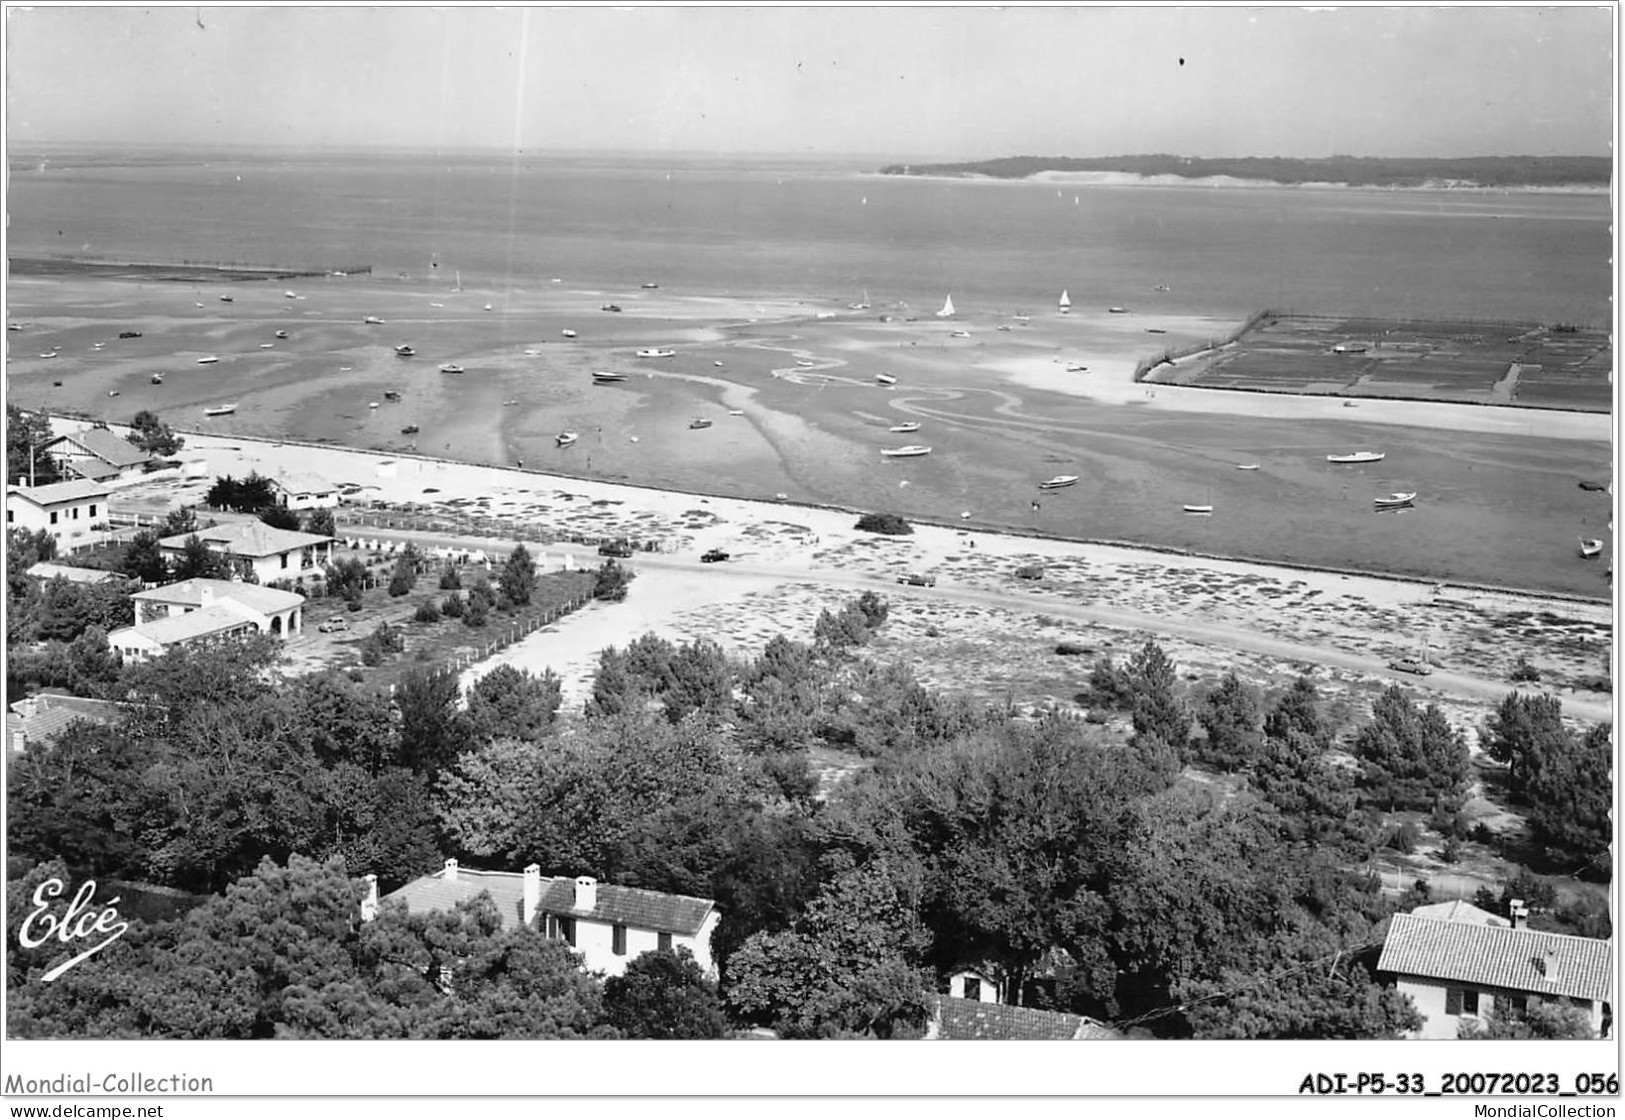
<point x="195" y="609"/>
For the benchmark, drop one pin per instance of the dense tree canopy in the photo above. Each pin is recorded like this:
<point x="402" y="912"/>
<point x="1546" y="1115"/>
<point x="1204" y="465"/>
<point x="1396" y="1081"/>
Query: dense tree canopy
<point x="1411" y="758"/>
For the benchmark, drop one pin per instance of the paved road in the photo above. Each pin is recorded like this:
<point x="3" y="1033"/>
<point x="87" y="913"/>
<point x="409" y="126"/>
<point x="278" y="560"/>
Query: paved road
<point x="1222" y="635"/>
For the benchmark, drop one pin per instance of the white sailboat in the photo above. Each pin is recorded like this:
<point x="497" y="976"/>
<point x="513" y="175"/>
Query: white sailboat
<point x="1066" y="303"/>
<point x="947" y="311"/>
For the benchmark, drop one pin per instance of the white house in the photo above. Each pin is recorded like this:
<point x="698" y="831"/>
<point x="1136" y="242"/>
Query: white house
<point x="66" y="510"/>
<point x="49" y="570"/>
<point x="195" y="609"/>
<point x="1459" y="966"/>
<point x="273" y="553"/>
<point x="305" y="491"/>
<point x="608" y="925"/>
<point x="98" y="454"/>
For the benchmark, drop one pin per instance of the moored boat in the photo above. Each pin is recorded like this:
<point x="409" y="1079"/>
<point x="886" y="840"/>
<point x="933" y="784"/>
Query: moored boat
<point x="947" y="311"/>
<point x="157" y="379"/>
<point x="1246" y="466"/>
<point x="281" y="334"/>
<point x="568" y="333"/>
<point x="565" y="439"/>
<point x="220" y="410"/>
<point x="451" y="367"/>
<point x="1065" y="304"/>
<point x="1117" y="311"/>
<point x="606" y="377"/>
<point x="1358" y="457"/>
<point x="1590" y="548"/>
<point x="1077" y="367"/>
<point x="909" y="426"/>
<point x="1395" y="500"/>
<point x="372" y="321"/>
<point x="885" y="379"/>
<point x="207" y="359"/>
<point x="1198" y="509"/>
<point x="404" y="351"/>
<point x="410" y="430"/>
<point x="655" y="352"/>
<point x="1059" y="481"/>
<point x="909" y="452"/>
<point x="391" y="395"/>
<point x="699" y="422"/>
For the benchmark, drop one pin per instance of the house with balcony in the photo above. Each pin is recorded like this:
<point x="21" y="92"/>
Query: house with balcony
<point x="272" y="553"/>
<point x="97" y="454"/>
<point x="197" y="609"/>
<point x="607" y="924"/>
<point x="66" y="510"/>
<point x="1457" y="963"/>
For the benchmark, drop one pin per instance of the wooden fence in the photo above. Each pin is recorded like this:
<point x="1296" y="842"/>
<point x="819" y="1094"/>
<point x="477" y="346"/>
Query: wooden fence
<point x="507" y="636"/>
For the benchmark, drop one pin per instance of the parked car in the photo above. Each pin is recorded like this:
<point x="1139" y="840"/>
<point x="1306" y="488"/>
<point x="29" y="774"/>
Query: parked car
<point x="615" y="548"/>
<point x="334" y="625"/>
<point x="918" y="579"/>
<point x="713" y="556"/>
<point x="1411" y="665"/>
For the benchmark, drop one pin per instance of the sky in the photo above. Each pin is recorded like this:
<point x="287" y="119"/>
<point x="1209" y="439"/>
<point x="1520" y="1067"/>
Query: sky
<point x="938" y="82"/>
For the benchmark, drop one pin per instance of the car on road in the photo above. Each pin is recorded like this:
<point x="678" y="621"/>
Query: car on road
<point x="621" y="549"/>
<point x="334" y="625"/>
<point x="713" y="556"/>
<point x="918" y="579"/>
<point x="1411" y="665"/>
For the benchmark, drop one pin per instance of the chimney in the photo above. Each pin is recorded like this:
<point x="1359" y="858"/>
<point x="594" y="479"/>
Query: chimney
<point x="1518" y="912"/>
<point x="533" y="893"/>
<point x="369" y="903"/>
<point x="205" y="595"/>
<point x="450" y="873"/>
<point x="586" y="893"/>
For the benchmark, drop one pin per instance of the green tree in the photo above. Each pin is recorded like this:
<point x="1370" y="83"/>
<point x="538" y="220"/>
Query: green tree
<point x="1298" y="710"/>
<point x="153" y="436"/>
<point x="1523" y="734"/>
<point x="198" y="561"/>
<point x="179" y="522"/>
<point x="320" y="522"/>
<point x="664" y="995"/>
<point x="280" y="517"/>
<point x="431" y="726"/>
<point x="27" y="433"/>
<point x="509" y="703"/>
<point x="615" y="690"/>
<point x="403" y="578"/>
<point x="1411" y="758"/>
<point x="1156" y="709"/>
<point x="518" y="579"/>
<point x="143" y="561"/>
<point x="1230" y="715"/>
<point x="344" y="722"/>
<point x="1544" y="1019"/>
<point x="612" y="582"/>
<point x="701" y="680"/>
<point x="1571" y="798"/>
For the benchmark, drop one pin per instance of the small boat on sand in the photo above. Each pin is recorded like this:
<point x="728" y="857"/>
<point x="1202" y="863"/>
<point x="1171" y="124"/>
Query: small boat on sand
<point x="565" y="439"/>
<point x="404" y="351"/>
<point x="736" y="412"/>
<point x="220" y="410"/>
<point x="1395" y="501"/>
<point x="208" y="360"/>
<point x="157" y="379"/>
<point x="960" y="334"/>
<point x="373" y="321"/>
<point x="1358" y="457"/>
<point x="410" y="430"/>
<point x="451" y="367"/>
<point x="911" y="451"/>
<point x="1246" y="466"/>
<point x="1350" y="348"/>
<point x="267" y="345"/>
<point x="804" y="363"/>
<point x="281" y="334"/>
<point x="1077" y="367"/>
<point x="1198" y="509"/>
<point x="567" y="333"/>
<point x="606" y="377"/>
<point x="910" y="426"/>
<point x="289" y="295"/>
<point x="1117" y="311"/>
<point x="699" y="422"/>
<point x="1590" y="548"/>
<point x="226" y="299"/>
<point x="650" y="286"/>
<point x="1059" y="481"/>
<point x="391" y="395"/>
<point x="885" y="379"/>
<point x="655" y="352"/>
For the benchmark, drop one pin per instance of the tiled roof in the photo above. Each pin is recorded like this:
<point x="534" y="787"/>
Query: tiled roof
<point x="102" y="443"/>
<point x="1522" y="960"/>
<point x="56" y="493"/>
<point x="189" y="593"/>
<point x="969" y="1019"/>
<point x="257" y="539"/>
<point x="297" y="483"/>
<point x="628" y="906"/>
<point x="185" y="627"/>
<point x="47" y="569"/>
<point x="94" y="470"/>
<point x="1459" y="911"/>
<point x="42" y="718"/>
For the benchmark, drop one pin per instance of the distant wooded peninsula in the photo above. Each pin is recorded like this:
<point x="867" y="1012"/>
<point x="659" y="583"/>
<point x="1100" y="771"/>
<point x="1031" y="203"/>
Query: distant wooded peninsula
<point x="1354" y="171"/>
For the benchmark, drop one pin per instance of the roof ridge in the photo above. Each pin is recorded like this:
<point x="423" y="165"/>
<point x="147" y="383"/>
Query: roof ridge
<point x="1507" y="929"/>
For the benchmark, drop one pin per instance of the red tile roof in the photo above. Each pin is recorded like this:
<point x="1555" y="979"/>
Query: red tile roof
<point x="1523" y="960"/>
<point x="40" y="719"/>
<point x="106" y="446"/>
<point x="969" y="1019"/>
<point x="628" y="906"/>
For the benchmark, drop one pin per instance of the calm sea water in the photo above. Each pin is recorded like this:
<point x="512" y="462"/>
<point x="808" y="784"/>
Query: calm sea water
<point x="1501" y="509"/>
<point x="830" y="230"/>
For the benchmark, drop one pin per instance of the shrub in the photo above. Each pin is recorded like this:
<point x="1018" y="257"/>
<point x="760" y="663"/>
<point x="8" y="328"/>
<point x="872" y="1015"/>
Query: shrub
<point x="889" y="524"/>
<point x="1030" y="571"/>
<point x="352" y="604"/>
<point x="452" y="606"/>
<point x="1403" y="839"/>
<point x="1073" y="649"/>
<point x="1096" y="716"/>
<point x="1523" y="671"/>
<point x="450" y="580"/>
<point x="427" y="612"/>
<point x="478" y="608"/>
<point x="612" y="582"/>
<point x="1451" y="852"/>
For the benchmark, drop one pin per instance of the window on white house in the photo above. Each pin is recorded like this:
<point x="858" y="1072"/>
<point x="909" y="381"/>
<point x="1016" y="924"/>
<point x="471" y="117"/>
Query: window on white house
<point x="568" y="927"/>
<point x="11" y="515"/>
<point x="1460" y="1001"/>
<point x="284" y="559"/>
<point x="53" y="517"/>
<point x="1469" y="1002"/>
<point x="617" y="940"/>
<point x="973" y="988"/>
<point x="93" y="509"/>
<point x="663" y="942"/>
